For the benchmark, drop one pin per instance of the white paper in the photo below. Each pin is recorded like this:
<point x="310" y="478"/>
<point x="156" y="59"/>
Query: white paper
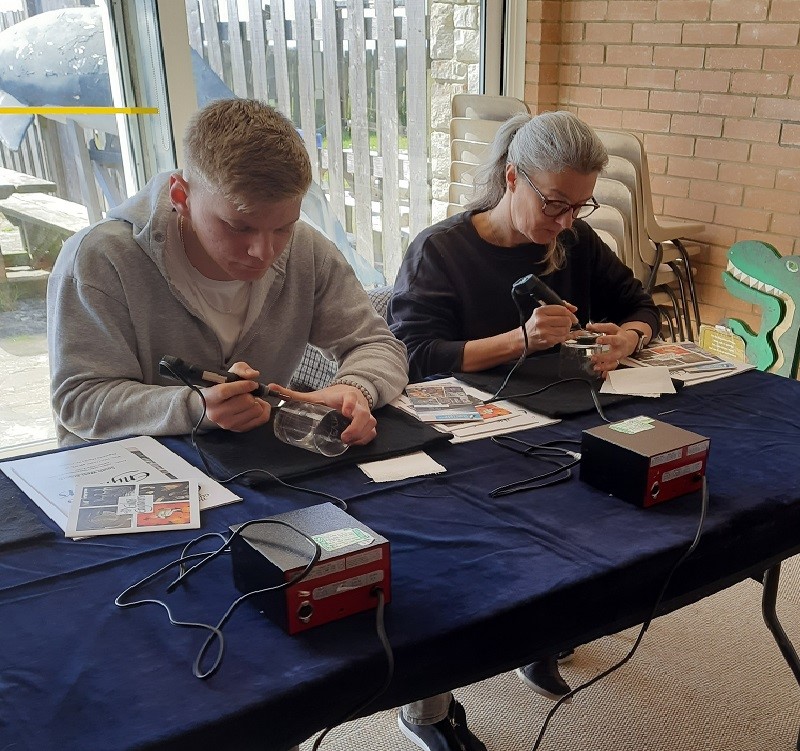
<point x="402" y="467"/>
<point x="639" y="381"/>
<point x="50" y="480"/>
<point x="510" y="417"/>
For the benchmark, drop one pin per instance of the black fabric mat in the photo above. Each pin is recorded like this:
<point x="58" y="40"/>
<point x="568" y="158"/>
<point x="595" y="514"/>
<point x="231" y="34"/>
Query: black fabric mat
<point x="19" y="523"/>
<point x="229" y="453"/>
<point x="570" y="397"/>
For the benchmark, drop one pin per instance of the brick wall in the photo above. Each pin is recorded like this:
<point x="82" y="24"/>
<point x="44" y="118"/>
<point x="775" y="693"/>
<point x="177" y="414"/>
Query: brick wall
<point x="712" y="87"/>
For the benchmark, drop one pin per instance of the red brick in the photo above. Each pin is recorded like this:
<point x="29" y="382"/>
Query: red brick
<point x="779" y="156"/>
<point x="550" y="10"/>
<point x="629" y="54"/>
<point x="702" y="169"/>
<point x="669" y="144"/>
<point x="678" y="57"/>
<point x="625" y="98"/>
<point x="603" y="75"/>
<point x="786" y="224"/>
<point x="685" y="208"/>
<point x="702" y="80"/>
<point x="586" y="54"/>
<point x="571" y="32"/>
<point x="747" y="174"/>
<point x="787" y="179"/>
<point x="657" y="33"/>
<point x="697" y="125"/>
<point x="570" y="73"/>
<point x="784" y="10"/>
<point x="733" y="58"/>
<point x="722" y="150"/>
<point x="752" y="130"/>
<point x="737" y="216"/>
<point x="646" y="121"/>
<point x="726" y="104"/>
<point x="782" y="60"/>
<point x="778" y="109"/>
<point x="717" y="235"/>
<point x="774" y="200"/>
<point x="769" y="34"/>
<point x="780" y="242"/>
<point x="580" y="95"/>
<point x="601" y="118"/>
<point x="739" y="10"/>
<point x="550" y="33"/>
<point x="670" y="186"/>
<point x="674" y="101"/>
<point x="709" y="33"/>
<point x="584" y="10"/>
<point x="632" y="10"/>
<point x="759" y="83"/>
<point x="683" y="10"/>
<point x="650" y="78"/>
<point x="608" y="33"/>
<point x="722" y="192"/>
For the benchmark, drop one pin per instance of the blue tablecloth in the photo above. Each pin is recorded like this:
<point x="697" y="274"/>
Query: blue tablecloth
<point x="480" y="585"/>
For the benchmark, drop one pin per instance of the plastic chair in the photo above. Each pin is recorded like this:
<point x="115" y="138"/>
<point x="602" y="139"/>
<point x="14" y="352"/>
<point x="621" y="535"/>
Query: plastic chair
<point x="463" y="172"/>
<point x="615" y="194"/>
<point x="453" y="209"/>
<point x="461" y="193"/>
<point x="471" y="152"/>
<point x="661" y="229"/>
<point x="487" y="106"/>
<point x="471" y="129"/>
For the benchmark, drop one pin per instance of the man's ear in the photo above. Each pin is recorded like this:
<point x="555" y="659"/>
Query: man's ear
<point x="178" y="193"/>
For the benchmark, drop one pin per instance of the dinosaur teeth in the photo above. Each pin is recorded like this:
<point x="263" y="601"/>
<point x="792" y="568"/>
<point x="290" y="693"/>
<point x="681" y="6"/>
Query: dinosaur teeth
<point x="739" y="275"/>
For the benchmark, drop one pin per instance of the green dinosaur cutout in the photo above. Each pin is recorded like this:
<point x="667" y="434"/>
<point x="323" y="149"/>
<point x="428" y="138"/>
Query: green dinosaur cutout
<point x="759" y="274"/>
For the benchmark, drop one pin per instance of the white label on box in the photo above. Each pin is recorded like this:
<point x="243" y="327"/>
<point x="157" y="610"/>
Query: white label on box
<point x="323" y="569"/>
<point x="357" y="582"/>
<point x="360" y="559"/>
<point x="669" y="456"/>
<point x="680" y="471"/>
<point x="697" y="448"/>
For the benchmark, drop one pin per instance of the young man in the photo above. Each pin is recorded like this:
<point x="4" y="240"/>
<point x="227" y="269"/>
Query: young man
<point x="211" y="264"/>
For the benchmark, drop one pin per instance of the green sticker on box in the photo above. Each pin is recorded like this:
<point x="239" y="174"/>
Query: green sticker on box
<point x="342" y="538"/>
<point x="633" y="425"/>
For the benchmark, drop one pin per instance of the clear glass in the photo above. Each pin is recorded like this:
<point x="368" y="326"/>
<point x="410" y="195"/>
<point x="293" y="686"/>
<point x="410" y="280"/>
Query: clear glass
<point x="313" y="427"/>
<point x="575" y="358"/>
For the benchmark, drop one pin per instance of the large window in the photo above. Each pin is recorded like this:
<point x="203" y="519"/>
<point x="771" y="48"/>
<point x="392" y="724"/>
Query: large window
<point x="367" y="82"/>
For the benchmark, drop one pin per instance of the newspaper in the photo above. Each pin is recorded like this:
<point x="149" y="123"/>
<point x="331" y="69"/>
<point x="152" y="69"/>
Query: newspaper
<point x="687" y="362"/>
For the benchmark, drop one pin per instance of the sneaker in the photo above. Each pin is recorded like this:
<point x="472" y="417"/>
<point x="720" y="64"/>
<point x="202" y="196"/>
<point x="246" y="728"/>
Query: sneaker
<point x="543" y="677"/>
<point x="449" y="734"/>
<point x="565" y="656"/>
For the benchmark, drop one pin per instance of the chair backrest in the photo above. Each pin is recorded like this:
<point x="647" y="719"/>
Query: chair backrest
<point x="471" y="152"/>
<point x="609" y="221"/>
<point x="453" y="209"/>
<point x="461" y="193"/>
<point x="463" y="172"/>
<point x="487" y="106"/>
<point x="613" y="193"/>
<point x="471" y="129"/>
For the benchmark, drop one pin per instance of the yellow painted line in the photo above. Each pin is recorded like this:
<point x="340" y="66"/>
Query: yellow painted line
<point x="78" y="110"/>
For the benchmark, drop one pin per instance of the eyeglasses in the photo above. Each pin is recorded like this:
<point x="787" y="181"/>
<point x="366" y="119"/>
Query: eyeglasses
<point x="553" y="208"/>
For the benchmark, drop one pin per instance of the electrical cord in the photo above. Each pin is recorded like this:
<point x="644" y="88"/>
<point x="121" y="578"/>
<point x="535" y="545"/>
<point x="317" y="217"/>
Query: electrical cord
<point x="566" y="697"/>
<point x="256" y="470"/>
<point x="380" y="629"/>
<point x="525" y="346"/>
<point x="549" y="452"/>
<point x="215" y="631"/>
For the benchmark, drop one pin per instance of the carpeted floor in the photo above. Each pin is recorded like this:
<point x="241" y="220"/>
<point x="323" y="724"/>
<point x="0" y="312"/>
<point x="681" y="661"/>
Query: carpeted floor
<point x="706" y="678"/>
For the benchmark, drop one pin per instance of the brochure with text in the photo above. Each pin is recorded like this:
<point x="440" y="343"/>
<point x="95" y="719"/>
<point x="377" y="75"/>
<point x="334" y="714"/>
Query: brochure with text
<point x="687" y="362"/>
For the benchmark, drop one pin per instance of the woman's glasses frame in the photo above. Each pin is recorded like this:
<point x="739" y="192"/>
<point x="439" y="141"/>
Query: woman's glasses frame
<point x="555" y="208"/>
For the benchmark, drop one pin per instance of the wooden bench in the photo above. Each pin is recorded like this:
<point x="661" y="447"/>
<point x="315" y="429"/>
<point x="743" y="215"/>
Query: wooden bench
<point x="44" y="222"/>
<point x="12" y="181"/>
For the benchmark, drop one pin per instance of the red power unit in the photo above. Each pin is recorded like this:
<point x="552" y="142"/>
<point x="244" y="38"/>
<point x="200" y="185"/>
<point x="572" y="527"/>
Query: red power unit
<point x="354" y="561"/>
<point x="643" y="460"/>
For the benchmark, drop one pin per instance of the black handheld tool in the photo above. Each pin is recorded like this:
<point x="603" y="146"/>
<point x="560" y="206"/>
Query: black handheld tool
<point x="533" y="286"/>
<point x="174" y="367"/>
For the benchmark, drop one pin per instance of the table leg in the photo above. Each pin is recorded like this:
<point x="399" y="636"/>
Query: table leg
<point x="770" y="582"/>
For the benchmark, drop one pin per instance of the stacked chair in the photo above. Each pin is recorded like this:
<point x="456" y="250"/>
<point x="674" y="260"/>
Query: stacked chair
<point x="660" y="238"/>
<point x="475" y="120"/>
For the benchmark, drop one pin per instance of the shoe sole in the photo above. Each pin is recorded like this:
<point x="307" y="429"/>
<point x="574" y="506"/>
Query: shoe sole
<point x="416" y="740"/>
<point x="538" y="689"/>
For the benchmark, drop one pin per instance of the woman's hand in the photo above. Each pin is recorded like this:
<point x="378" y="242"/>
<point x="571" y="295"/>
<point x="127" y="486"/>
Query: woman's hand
<point x="550" y="325"/>
<point x="618" y="343"/>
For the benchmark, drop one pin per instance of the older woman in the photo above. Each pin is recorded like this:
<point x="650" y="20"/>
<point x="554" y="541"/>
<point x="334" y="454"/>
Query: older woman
<point x="452" y="304"/>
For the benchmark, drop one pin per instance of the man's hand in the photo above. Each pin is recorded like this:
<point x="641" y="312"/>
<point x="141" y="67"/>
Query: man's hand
<point x="232" y="406"/>
<point x="349" y="401"/>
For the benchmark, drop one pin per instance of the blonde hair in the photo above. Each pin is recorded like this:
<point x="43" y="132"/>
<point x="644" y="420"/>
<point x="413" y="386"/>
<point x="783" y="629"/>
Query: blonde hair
<point x="547" y="142"/>
<point x="246" y="151"/>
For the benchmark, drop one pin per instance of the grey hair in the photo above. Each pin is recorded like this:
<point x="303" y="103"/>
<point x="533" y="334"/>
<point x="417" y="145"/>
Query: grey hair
<point x="547" y="142"/>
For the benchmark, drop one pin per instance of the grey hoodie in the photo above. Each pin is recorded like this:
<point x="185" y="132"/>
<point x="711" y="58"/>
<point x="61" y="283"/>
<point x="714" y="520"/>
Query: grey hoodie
<point x="113" y="312"/>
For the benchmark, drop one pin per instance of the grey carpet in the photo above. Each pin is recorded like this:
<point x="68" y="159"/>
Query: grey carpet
<point x="708" y="677"/>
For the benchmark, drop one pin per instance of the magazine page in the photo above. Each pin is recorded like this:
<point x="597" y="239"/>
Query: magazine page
<point x="134" y="507"/>
<point x="687" y="362"/>
<point x="441" y="402"/>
